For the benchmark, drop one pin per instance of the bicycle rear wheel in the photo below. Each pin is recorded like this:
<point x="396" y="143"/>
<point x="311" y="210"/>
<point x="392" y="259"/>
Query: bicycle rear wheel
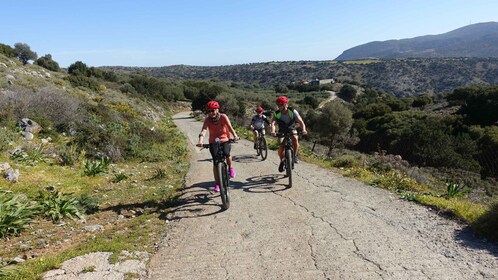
<point x="222" y="170"/>
<point x="288" y="165"/>
<point x="263" y="148"/>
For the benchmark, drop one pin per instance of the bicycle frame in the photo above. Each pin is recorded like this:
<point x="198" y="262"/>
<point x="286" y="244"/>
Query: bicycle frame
<point x="261" y="147"/>
<point x="288" y="156"/>
<point x="222" y="172"/>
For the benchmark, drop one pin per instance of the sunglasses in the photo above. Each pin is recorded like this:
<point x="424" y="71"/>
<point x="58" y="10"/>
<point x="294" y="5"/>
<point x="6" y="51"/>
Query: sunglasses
<point x="211" y="110"/>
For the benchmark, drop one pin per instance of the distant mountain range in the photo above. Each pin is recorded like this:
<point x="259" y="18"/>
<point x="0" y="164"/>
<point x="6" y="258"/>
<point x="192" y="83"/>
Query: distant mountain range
<point x="475" y="40"/>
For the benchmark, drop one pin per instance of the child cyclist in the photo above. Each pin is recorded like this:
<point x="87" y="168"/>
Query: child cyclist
<point x="219" y="126"/>
<point x="258" y="124"/>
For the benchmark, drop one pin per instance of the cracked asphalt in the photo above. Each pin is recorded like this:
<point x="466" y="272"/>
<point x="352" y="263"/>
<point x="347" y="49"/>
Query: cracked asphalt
<point x="325" y="227"/>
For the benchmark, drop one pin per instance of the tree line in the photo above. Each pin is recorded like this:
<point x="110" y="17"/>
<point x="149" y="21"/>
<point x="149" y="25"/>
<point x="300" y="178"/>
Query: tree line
<point x="465" y="137"/>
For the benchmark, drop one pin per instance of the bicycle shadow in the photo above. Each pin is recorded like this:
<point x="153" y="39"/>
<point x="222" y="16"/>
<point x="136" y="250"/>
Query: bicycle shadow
<point x="197" y="200"/>
<point x="246" y="158"/>
<point x="261" y="184"/>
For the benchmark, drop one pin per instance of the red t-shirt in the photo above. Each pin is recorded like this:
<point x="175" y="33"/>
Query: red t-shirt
<point x="218" y="129"/>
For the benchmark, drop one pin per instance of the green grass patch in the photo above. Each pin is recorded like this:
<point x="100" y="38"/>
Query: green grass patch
<point x="461" y="208"/>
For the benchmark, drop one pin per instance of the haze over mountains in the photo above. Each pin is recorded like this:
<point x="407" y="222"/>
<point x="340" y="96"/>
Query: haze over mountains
<point x="475" y="40"/>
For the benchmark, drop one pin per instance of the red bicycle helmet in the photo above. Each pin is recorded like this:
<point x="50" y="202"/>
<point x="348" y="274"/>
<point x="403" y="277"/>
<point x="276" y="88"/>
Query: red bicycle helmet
<point x="259" y="109"/>
<point x="282" y="100"/>
<point x="213" y="105"/>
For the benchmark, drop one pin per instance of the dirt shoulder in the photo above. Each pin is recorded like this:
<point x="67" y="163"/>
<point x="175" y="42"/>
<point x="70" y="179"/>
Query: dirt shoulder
<point x="326" y="227"/>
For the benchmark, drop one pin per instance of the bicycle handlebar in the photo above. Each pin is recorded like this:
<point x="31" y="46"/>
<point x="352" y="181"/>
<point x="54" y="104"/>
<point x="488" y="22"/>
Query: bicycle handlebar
<point x="283" y="134"/>
<point x="206" y="146"/>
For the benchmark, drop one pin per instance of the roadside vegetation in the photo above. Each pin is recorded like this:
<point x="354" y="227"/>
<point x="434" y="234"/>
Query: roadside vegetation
<point x="88" y="179"/>
<point x="438" y="151"/>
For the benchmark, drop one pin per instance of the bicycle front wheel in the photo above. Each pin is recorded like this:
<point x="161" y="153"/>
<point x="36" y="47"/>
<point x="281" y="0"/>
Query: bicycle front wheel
<point x="288" y="165"/>
<point x="222" y="170"/>
<point x="263" y="148"/>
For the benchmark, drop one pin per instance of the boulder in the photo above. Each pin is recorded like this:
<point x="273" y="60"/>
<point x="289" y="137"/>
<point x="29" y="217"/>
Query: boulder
<point x="12" y="175"/>
<point x="28" y="125"/>
<point x="4" y="166"/>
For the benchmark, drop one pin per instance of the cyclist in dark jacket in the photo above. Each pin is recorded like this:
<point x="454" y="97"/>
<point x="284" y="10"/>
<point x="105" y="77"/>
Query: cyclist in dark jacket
<point x="287" y="118"/>
<point x="258" y="124"/>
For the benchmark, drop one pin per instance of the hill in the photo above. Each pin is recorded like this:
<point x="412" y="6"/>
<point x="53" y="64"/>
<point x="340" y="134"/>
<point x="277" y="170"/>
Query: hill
<point x="475" y="40"/>
<point x="400" y="77"/>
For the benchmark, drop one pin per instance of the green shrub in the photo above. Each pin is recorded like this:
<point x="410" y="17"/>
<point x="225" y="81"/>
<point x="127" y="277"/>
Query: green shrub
<point x="68" y="155"/>
<point x="96" y="167"/>
<point x="30" y="155"/>
<point x="395" y="181"/>
<point x="6" y="137"/>
<point x="127" y="88"/>
<point x="158" y="174"/>
<point x="15" y="213"/>
<point x="48" y="106"/>
<point x="7" y="50"/>
<point x="47" y="62"/>
<point x="88" y="204"/>
<point x="454" y="189"/>
<point x="57" y="206"/>
<point x="346" y="161"/>
<point x="78" y="68"/>
<point x="82" y="81"/>
<point x="118" y="177"/>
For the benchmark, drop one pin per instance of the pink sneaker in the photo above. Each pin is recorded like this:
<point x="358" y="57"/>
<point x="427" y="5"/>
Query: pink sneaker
<point x="232" y="172"/>
<point x="216" y="188"/>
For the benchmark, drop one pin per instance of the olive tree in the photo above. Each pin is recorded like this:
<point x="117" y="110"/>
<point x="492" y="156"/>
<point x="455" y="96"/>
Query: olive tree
<point x="333" y="124"/>
<point x="47" y="62"/>
<point x="78" y="68"/>
<point x="24" y="53"/>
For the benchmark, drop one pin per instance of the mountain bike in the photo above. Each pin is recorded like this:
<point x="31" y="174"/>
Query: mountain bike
<point x="222" y="172"/>
<point x="288" y="155"/>
<point x="261" y="146"/>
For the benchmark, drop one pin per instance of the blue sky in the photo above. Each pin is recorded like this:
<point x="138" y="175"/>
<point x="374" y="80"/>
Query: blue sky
<point x="223" y="32"/>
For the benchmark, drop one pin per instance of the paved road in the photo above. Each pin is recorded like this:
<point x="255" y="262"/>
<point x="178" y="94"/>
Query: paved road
<point x="325" y="227"/>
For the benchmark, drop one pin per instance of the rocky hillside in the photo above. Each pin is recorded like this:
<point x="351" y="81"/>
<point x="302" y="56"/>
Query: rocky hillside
<point x="475" y="40"/>
<point x="401" y="77"/>
<point x="85" y="166"/>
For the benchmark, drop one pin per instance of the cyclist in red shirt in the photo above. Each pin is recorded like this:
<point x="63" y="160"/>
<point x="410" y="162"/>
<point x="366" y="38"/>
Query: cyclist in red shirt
<point x="219" y="126"/>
